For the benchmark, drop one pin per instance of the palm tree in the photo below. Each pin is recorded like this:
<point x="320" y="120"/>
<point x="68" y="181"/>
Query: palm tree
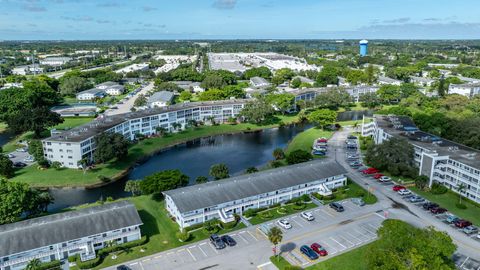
<point x="176" y="125"/>
<point x="33" y="264"/>
<point x="460" y="188"/>
<point x="275" y="236"/>
<point x="84" y="163"/>
<point x="161" y="131"/>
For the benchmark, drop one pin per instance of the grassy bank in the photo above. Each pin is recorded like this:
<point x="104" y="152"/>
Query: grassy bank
<point x="304" y="140"/>
<point x="278" y="212"/>
<point x="449" y="201"/>
<point x="72" y="177"/>
<point x="352" y="260"/>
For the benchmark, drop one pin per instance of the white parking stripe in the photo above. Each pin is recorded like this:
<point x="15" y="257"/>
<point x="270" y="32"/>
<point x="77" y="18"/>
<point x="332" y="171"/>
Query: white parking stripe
<point x="193" y="257"/>
<point x="333" y="239"/>
<point x="461" y="266"/>
<point x="200" y="247"/>
<point x="329" y="247"/>
<point x="132" y="264"/>
<point x="354" y="237"/>
<point x="158" y="257"/>
<point x="373" y="227"/>
<point x="348" y="241"/>
<point x="245" y="240"/>
<point x="297" y="223"/>
<point x="214" y="249"/>
<point x="323" y="210"/>
<point x="252" y="235"/>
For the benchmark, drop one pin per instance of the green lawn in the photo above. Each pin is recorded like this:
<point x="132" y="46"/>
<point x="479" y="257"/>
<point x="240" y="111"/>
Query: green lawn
<point x="304" y="140"/>
<point x="352" y="260"/>
<point x="71" y="122"/>
<point x="159" y="228"/>
<point x="72" y="177"/>
<point x="276" y="212"/>
<point x="279" y="262"/>
<point x="449" y="201"/>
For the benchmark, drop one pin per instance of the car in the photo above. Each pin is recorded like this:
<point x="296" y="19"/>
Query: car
<point x="120" y="102"/>
<point x="318" y="153"/>
<point x="358" y="201"/>
<point x="353" y="163"/>
<point x="404" y="192"/>
<point x="352" y="137"/>
<point x="361" y="168"/>
<point x="21" y="150"/>
<point x="19" y="164"/>
<point x="123" y="267"/>
<point x="217" y="241"/>
<point x="319" y="249"/>
<point x="384" y="179"/>
<point x="438" y="210"/>
<point x="370" y="171"/>
<point x="356" y="165"/>
<point x="284" y="224"/>
<point x="337" y="207"/>
<point x="416" y="199"/>
<point x="377" y="176"/>
<point x="470" y="229"/>
<point x="462" y="223"/>
<point x="307" y="216"/>
<point x="451" y="219"/>
<point x="429" y="205"/>
<point x="307" y="251"/>
<point x="29" y="159"/>
<point x="10" y="155"/>
<point x="227" y="239"/>
<point x="398" y="188"/>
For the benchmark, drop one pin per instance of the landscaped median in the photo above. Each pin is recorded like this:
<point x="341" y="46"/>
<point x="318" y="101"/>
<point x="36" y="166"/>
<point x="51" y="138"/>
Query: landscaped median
<point x="113" y="170"/>
<point x="351" y="190"/>
<point x="295" y="205"/>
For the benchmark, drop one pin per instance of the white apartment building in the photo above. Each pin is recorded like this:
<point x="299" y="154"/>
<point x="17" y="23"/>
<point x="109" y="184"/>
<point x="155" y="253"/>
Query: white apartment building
<point x="69" y="147"/>
<point x="59" y="236"/>
<point x="309" y="94"/>
<point x="111" y="88"/>
<point x="221" y="199"/>
<point x="443" y="161"/>
<point x="160" y="99"/>
<point x="55" y="61"/>
<point x="422" y="81"/>
<point x="259" y="82"/>
<point x="91" y="94"/>
<point x="465" y="89"/>
<point x="382" y="80"/>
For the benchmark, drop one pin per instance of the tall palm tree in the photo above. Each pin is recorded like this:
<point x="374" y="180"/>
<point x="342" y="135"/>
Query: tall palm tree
<point x="460" y="188"/>
<point x="275" y="236"/>
<point x="33" y="264"/>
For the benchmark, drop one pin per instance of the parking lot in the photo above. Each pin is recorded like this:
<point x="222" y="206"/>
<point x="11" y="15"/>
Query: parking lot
<point x="466" y="263"/>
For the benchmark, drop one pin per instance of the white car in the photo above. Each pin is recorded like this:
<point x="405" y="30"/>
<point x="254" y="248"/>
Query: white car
<point x="404" y="192"/>
<point x="11" y="156"/>
<point x="21" y="150"/>
<point x="284" y="224"/>
<point x="307" y="215"/>
<point x="384" y="179"/>
<point x="29" y="159"/>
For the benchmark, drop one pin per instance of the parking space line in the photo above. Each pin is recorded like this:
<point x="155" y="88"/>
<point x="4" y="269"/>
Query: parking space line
<point x="132" y="264"/>
<point x="203" y="251"/>
<point x="461" y="266"/>
<point x="333" y="239"/>
<point x="301" y="226"/>
<point x="328" y="247"/>
<point x="323" y="210"/>
<point x="252" y="235"/>
<point x="360" y="241"/>
<point x="348" y="241"/>
<point x="214" y="249"/>
<point x="245" y="240"/>
<point x="374" y="228"/>
<point x="158" y="257"/>
<point x="193" y="257"/>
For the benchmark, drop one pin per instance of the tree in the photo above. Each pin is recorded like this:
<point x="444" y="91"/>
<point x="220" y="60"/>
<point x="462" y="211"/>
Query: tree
<point x="176" y="126"/>
<point x="162" y="181"/>
<point x="355" y="76"/>
<point x="421" y="181"/>
<point x="328" y="75"/>
<point x="278" y="154"/>
<point x="140" y="101"/>
<point x="442" y="90"/>
<point x="186" y="96"/>
<point x="213" y="81"/>
<point x="333" y="98"/>
<point x="285" y="74"/>
<point x="275" y="236"/>
<point x="133" y="186"/>
<point x="33" y="264"/>
<point x="35" y="148"/>
<point x="110" y="145"/>
<point x="212" y="94"/>
<point x="298" y="156"/>
<point x="370" y="100"/>
<point x="263" y="72"/>
<point x="167" y="86"/>
<point x="35" y="119"/>
<point x="257" y="111"/>
<point x="389" y="93"/>
<point x="6" y="167"/>
<point x="295" y="83"/>
<point x="322" y="117"/>
<point x="84" y="164"/>
<point x="460" y="189"/>
<point x="72" y="85"/>
<point x="370" y="73"/>
<point x="219" y="171"/>
<point x="201" y="180"/>
<point x="251" y="170"/>
<point x="282" y="102"/>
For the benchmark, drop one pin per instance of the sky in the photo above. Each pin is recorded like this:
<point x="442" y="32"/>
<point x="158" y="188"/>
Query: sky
<point x="238" y="19"/>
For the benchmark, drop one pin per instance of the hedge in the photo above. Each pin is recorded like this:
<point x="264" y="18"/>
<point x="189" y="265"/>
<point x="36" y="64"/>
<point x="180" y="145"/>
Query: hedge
<point x="102" y="253"/>
<point x="49" y="265"/>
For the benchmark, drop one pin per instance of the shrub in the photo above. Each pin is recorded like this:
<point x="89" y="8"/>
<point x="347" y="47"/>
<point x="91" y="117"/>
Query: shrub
<point x="266" y="214"/>
<point x="193" y="227"/>
<point x="104" y="179"/>
<point x="183" y="236"/>
<point x="72" y="258"/>
<point x="49" y="265"/>
<point x="274" y="205"/>
<point x="360" y="193"/>
<point x="89" y="264"/>
<point x="461" y="206"/>
<point x="438" y="188"/>
<point x="228" y="225"/>
<point x="211" y="226"/>
<point x="306" y="198"/>
<point x="276" y="163"/>
<point x="250" y="213"/>
<point x="299" y="206"/>
<point x="56" y="165"/>
<point x="298" y="156"/>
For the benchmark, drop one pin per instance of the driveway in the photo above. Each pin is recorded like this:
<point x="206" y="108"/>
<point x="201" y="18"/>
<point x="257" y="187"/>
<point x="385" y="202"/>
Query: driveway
<point x="128" y="105"/>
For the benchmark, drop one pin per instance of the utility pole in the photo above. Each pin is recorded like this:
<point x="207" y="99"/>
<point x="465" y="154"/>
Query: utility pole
<point x="33" y="63"/>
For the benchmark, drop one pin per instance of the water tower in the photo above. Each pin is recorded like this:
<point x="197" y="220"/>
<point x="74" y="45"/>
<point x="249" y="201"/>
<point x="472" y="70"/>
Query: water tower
<point x="363" y="47"/>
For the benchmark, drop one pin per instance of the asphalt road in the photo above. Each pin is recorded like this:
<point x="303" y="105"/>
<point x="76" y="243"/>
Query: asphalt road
<point x="127" y="105"/>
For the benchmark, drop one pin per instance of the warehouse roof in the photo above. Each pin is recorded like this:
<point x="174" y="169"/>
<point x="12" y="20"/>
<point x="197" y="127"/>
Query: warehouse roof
<point x="235" y="188"/>
<point x="52" y="229"/>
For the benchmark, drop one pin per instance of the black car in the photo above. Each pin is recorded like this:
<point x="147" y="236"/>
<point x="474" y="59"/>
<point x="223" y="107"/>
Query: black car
<point x="19" y="164"/>
<point x="227" y="239"/>
<point x="122" y="267"/>
<point x="217" y="241"/>
<point x="429" y="205"/>
<point x="337" y="207"/>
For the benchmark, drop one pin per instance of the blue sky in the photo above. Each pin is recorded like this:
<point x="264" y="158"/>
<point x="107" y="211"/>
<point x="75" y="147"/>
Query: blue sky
<point x="239" y="19"/>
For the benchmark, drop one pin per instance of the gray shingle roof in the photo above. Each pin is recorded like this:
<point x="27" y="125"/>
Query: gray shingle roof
<point x="164" y="96"/>
<point x="44" y="231"/>
<point x="235" y="188"/>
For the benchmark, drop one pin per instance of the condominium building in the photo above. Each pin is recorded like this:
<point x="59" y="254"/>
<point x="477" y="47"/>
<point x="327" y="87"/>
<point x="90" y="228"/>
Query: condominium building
<point x="59" y="236"/>
<point x="382" y="80"/>
<point x="309" y="94"/>
<point x="160" y="99"/>
<point x="222" y="199"/>
<point x="441" y="160"/>
<point x="465" y="89"/>
<point x="69" y="147"/>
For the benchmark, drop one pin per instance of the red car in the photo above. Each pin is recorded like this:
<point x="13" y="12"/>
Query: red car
<point x="438" y="210"/>
<point x="462" y="223"/>
<point x="398" y="188"/>
<point x="319" y="249"/>
<point x="377" y="175"/>
<point x="370" y="171"/>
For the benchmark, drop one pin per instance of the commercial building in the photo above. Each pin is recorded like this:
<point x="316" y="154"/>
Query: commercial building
<point x="465" y="89"/>
<point x="133" y="67"/>
<point x="221" y="199"/>
<point x="363" y="47"/>
<point x="59" y="236"/>
<point x="442" y="161"/>
<point x="69" y="147"/>
<point x="55" y="61"/>
<point x="160" y="99"/>
<point x="259" y="82"/>
<point x="26" y="70"/>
